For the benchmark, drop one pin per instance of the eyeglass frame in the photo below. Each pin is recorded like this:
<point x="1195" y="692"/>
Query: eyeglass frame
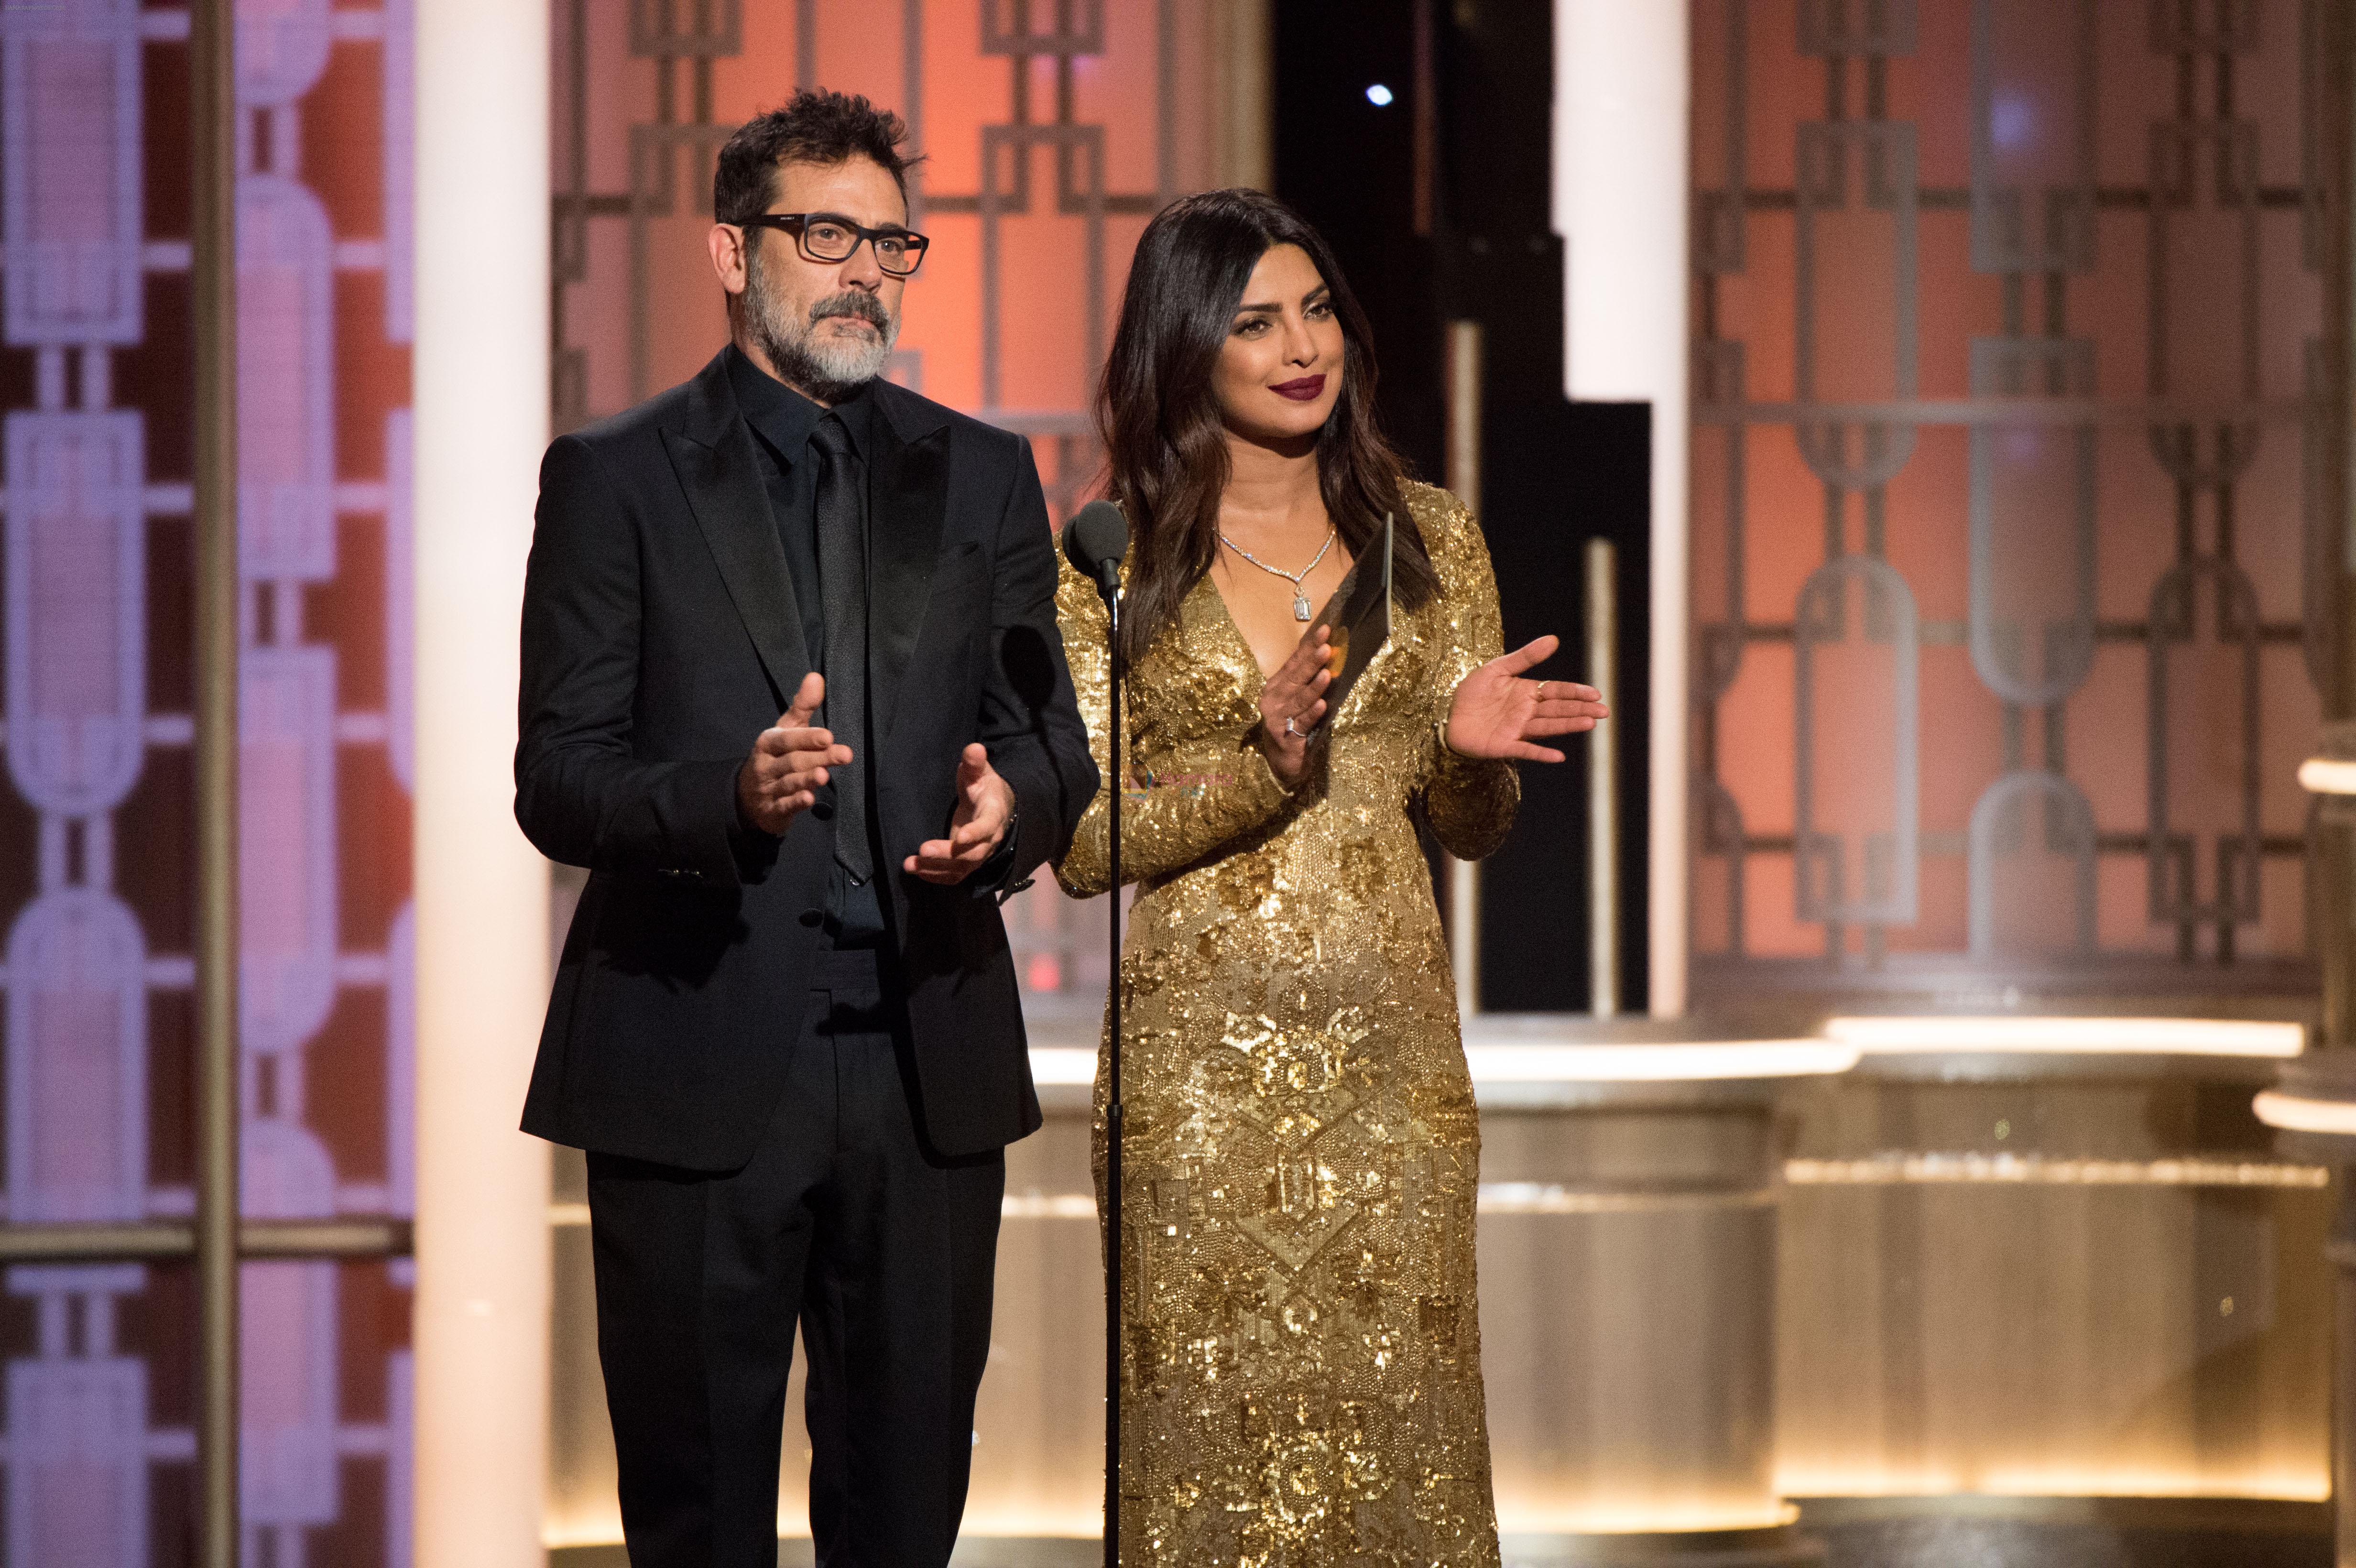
<point x="797" y="224"/>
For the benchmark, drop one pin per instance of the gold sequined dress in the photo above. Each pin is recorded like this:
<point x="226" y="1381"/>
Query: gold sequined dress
<point x="1301" y="1371"/>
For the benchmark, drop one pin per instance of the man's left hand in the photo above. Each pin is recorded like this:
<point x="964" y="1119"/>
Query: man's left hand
<point x="985" y="804"/>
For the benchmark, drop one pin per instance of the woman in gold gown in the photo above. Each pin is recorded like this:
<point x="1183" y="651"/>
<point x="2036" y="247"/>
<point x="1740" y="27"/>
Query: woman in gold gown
<point x="1301" y="1377"/>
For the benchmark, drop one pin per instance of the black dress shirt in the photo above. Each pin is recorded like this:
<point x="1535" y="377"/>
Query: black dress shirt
<point x="782" y="419"/>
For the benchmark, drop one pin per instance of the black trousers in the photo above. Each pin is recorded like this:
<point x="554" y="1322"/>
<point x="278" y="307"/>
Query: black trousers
<point x="846" y="1222"/>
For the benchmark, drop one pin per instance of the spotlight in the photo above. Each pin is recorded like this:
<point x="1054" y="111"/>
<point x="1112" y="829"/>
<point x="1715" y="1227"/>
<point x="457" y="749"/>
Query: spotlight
<point x="1379" y="96"/>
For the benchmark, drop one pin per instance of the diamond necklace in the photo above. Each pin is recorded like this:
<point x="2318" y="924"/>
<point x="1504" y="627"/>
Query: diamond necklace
<point x="1300" y="611"/>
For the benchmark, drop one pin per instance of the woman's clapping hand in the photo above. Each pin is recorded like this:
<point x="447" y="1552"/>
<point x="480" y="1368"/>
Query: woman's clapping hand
<point x="1497" y="712"/>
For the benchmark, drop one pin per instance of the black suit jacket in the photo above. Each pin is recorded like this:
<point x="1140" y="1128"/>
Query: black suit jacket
<point x="659" y="639"/>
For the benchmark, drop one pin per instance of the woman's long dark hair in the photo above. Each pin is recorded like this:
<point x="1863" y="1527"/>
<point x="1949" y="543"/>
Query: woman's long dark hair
<point x="1166" y="449"/>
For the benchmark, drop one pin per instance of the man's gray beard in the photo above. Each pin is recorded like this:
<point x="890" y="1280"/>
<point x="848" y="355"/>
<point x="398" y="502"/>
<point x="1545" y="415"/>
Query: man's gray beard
<point x="830" y="368"/>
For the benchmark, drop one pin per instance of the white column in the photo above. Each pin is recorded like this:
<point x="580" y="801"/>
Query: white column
<point x="481" y="390"/>
<point x="1623" y="91"/>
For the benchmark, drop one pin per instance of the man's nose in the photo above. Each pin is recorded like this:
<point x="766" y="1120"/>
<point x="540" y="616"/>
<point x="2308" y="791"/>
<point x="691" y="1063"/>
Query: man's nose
<point x="860" y="269"/>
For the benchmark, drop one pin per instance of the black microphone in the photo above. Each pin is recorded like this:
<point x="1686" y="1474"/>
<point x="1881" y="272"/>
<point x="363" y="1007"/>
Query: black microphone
<point x="1093" y="542"/>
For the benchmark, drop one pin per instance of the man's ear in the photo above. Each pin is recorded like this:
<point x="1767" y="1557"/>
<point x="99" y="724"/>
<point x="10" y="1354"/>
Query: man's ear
<point x="727" y="243"/>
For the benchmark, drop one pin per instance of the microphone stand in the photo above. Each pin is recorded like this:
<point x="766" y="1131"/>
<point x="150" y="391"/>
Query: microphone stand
<point x="1118" y="782"/>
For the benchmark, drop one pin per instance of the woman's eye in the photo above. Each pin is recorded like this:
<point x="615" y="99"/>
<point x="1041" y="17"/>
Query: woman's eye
<point x="1252" y="328"/>
<point x="1322" y="308"/>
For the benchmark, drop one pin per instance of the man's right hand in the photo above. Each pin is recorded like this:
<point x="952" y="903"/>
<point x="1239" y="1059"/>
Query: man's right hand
<point x="780" y="779"/>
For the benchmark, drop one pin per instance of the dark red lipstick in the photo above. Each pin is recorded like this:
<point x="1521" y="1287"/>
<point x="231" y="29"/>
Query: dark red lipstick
<point x="1304" y="389"/>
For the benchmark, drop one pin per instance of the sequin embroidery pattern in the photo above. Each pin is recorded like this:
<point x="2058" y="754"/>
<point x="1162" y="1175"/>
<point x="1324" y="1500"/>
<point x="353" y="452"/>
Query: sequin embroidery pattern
<point x="1301" y="1372"/>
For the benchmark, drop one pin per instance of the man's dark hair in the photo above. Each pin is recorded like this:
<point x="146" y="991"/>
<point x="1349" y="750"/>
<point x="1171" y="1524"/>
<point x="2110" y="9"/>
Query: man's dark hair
<point x="815" y="127"/>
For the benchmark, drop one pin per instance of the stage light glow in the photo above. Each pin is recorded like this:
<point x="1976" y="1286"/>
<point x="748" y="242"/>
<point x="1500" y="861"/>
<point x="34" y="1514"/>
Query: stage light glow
<point x="1064" y="1065"/>
<point x="2069" y="1036"/>
<point x="1677" y="1064"/>
<point x="1579" y="1515"/>
<point x="2040" y="1170"/>
<point x="1047" y="1206"/>
<point x="1804" y="1480"/>
<point x="2328" y="775"/>
<point x="1682" y="1063"/>
<point x="2297" y="1114"/>
<point x="2033" y="1481"/>
<point x="1552" y="1198"/>
<point x="1379" y="96"/>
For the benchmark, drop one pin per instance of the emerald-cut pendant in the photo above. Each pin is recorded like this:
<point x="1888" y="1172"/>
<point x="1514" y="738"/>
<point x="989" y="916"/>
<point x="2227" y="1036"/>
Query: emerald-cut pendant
<point x="1301" y="606"/>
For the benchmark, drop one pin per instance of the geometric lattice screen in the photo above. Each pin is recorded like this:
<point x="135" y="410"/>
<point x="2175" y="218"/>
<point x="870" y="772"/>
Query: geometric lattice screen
<point x="2005" y="348"/>
<point x="96" y="820"/>
<point x="1051" y="130"/>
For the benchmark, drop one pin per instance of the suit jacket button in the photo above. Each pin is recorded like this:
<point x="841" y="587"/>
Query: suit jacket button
<point x="813" y="916"/>
<point x="823" y="811"/>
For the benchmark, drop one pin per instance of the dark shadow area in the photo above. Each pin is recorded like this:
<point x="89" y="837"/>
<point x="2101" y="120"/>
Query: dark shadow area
<point x="1554" y="473"/>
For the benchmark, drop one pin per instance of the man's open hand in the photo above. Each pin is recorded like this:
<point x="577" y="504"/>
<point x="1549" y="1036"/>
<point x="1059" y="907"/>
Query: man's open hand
<point x="781" y="779"/>
<point x="985" y="804"/>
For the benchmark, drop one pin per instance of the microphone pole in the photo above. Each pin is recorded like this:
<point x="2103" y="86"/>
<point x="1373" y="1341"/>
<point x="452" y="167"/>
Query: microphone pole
<point x="1112" y="1109"/>
<point x="1095" y="541"/>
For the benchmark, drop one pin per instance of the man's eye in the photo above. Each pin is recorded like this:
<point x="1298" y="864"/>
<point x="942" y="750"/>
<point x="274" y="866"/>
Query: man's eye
<point x="827" y="233"/>
<point x="892" y="247"/>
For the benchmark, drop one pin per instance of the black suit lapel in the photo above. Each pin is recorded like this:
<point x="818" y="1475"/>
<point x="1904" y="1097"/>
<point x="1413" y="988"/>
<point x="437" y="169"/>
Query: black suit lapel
<point x="722" y="476"/>
<point x="908" y="495"/>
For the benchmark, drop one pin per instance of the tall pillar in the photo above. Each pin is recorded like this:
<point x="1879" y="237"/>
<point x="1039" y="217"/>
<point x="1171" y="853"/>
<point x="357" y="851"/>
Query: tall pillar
<point x="1623" y="93"/>
<point x="482" y="397"/>
<point x="2314" y="1102"/>
<point x="1242" y="43"/>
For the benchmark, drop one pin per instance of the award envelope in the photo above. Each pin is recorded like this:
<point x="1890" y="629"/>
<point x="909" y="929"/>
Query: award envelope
<point x="1360" y="614"/>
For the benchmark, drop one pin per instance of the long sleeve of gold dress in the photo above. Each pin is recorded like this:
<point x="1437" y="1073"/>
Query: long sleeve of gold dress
<point x="1301" y="1379"/>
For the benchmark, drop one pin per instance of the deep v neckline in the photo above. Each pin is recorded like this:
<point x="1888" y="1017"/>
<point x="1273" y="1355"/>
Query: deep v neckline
<point x="1236" y="631"/>
<point x="1237" y="641"/>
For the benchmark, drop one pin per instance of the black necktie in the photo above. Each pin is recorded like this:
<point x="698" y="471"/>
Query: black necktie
<point x="842" y="574"/>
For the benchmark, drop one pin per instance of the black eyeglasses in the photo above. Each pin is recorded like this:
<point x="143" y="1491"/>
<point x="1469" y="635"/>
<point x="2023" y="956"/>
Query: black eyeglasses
<point x="831" y="237"/>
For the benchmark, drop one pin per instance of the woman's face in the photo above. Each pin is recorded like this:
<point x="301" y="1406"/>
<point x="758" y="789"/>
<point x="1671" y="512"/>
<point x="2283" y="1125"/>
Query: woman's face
<point x="1280" y="367"/>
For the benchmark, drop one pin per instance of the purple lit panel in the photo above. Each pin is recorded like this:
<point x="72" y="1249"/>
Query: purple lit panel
<point x="285" y="382"/>
<point x="282" y="48"/>
<point x="95" y="560"/>
<point x="77" y="1075"/>
<point x="69" y="172"/>
<point x="77" y="588"/>
<point x="286" y="845"/>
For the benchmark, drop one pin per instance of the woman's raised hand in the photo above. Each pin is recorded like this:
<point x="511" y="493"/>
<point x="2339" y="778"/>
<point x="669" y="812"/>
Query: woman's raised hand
<point x="1498" y="713"/>
<point x="1292" y="702"/>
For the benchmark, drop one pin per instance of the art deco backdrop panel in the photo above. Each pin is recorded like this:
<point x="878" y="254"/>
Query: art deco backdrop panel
<point x="2005" y="335"/>
<point x="1051" y="130"/>
<point x="96" y="819"/>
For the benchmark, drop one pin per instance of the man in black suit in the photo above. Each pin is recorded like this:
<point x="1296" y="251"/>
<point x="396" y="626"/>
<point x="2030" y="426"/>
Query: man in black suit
<point x="785" y="1025"/>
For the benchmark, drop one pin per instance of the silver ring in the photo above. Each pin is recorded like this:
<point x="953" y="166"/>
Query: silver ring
<point x="1291" y="731"/>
